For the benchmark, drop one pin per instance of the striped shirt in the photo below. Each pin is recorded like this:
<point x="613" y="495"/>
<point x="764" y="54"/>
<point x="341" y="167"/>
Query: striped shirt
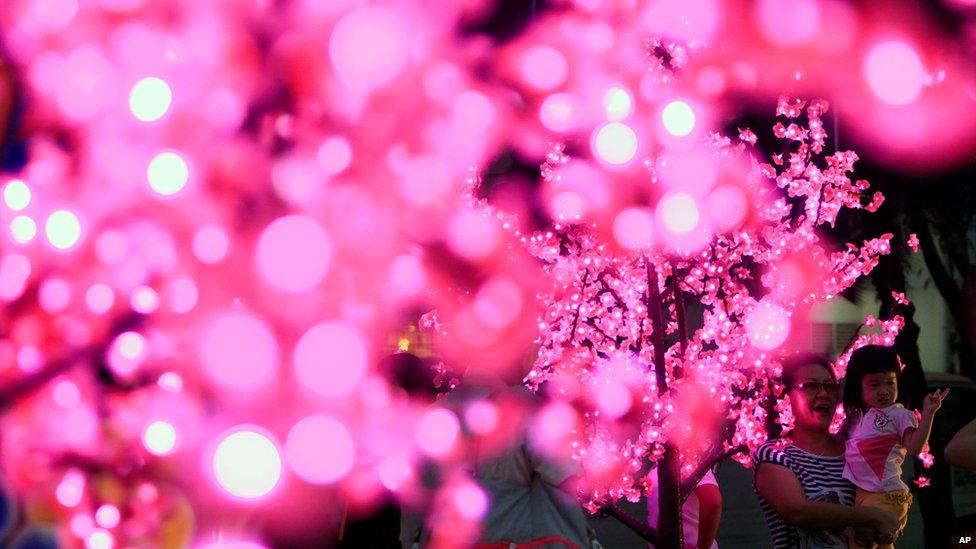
<point x="821" y="479"/>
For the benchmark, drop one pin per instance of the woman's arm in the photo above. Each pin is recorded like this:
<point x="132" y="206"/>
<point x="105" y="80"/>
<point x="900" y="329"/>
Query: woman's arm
<point x="709" y="513"/>
<point x="961" y="450"/>
<point x="780" y="487"/>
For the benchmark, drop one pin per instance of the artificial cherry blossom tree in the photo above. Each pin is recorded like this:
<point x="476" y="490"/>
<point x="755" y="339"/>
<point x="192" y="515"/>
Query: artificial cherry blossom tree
<point x="669" y="349"/>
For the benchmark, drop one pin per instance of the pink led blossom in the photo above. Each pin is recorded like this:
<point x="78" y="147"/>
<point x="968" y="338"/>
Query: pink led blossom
<point x="66" y="394"/>
<point x="70" y="490"/>
<point x="334" y="155"/>
<point x="330" y="359"/>
<point x="900" y="298"/>
<point x="543" y="68"/>
<point x="481" y="417"/>
<point x="437" y="432"/>
<point x="129" y="350"/>
<point x="239" y="352"/>
<point x="633" y="228"/>
<point x="319" y="449"/>
<point x="14" y="272"/>
<point x="210" y="244"/>
<point x="894" y="72"/>
<point x="792" y="24"/>
<point x="369" y="47"/>
<point x="926" y="457"/>
<point x="394" y="472"/>
<point x="913" y="242"/>
<point x="55" y="294"/>
<point x="559" y="112"/>
<point x="99" y="298"/>
<point x="293" y="254"/>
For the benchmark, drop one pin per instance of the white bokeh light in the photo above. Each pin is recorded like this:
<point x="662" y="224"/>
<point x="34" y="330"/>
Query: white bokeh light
<point x="150" y="99"/>
<point x="22" y="229"/>
<point x="62" y="229"/>
<point x="159" y="438"/>
<point x="167" y="173"/>
<point x="247" y="464"/>
<point x="100" y="539"/>
<point x="679" y="212"/>
<point x="618" y="104"/>
<point x="678" y="118"/>
<point x="131" y="345"/>
<point x="16" y="195"/>
<point x="615" y="143"/>
<point x="107" y="516"/>
<point x="144" y="300"/>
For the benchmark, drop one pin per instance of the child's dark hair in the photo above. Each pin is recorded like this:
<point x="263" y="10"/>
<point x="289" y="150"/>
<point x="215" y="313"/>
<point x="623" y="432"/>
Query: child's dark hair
<point x="872" y="359"/>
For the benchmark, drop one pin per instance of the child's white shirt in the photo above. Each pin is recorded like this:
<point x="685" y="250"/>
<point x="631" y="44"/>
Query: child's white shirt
<point x="874" y="453"/>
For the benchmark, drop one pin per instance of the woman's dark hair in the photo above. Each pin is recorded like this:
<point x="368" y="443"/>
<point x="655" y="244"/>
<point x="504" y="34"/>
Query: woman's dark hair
<point x="793" y="363"/>
<point x="872" y="359"/>
<point x="791" y="369"/>
<point x="411" y="373"/>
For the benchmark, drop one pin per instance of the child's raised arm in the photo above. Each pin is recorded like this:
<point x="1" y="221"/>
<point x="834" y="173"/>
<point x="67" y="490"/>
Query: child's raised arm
<point x="914" y="439"/>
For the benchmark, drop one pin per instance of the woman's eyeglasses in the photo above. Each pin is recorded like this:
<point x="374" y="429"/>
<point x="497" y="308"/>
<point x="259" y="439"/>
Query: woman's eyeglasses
<point x="814" y="387"/>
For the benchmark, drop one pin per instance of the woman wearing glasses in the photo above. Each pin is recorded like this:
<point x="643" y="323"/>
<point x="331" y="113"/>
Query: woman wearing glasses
<point x="804" y="497"/>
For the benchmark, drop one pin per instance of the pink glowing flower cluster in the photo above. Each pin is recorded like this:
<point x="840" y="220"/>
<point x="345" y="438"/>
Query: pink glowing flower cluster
<point x="721" y="307"/>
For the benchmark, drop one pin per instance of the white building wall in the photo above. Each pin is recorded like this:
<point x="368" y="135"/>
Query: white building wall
<point x="933" y="318"/>
<point x="931" y="314"/>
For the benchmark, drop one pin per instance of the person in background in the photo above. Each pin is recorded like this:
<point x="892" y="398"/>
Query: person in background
<point x="700" y="514"/>
<point x="802" y="493"/>
<point x="532" y="496"/>
<point x="381" y="529"/>
<point x="961" y="450"/>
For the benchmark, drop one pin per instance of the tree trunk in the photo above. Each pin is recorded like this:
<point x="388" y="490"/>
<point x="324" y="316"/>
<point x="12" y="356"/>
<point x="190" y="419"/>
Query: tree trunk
<point x="669" y="498"/>
<point x="668" y="467"/>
